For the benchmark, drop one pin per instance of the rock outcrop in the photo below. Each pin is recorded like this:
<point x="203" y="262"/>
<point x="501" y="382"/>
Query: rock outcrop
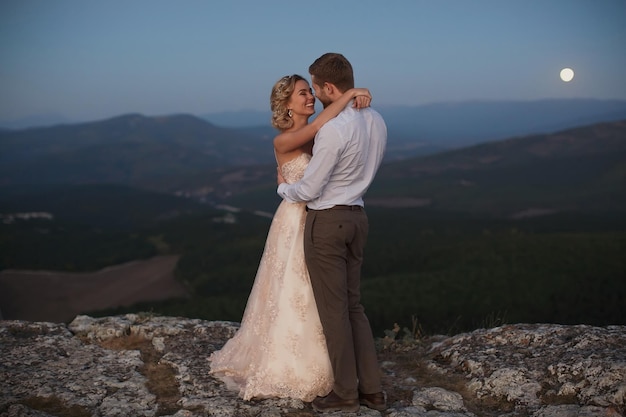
<point x="141" y="365"/>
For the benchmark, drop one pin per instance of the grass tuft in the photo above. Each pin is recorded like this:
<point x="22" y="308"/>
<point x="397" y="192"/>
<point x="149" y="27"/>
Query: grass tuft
<point x="161" y="376"/>
<point x="55" y="406"/>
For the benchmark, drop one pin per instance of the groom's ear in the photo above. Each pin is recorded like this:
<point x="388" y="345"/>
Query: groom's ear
<point x="331" y="89"/>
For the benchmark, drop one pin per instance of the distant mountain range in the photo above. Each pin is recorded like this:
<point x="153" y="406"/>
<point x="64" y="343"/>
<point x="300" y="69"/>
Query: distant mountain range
<point x="425" y="128"/>
<point x="433" y="127"/>
<point x="579" y="167"/>
<point x="132" y="149"/>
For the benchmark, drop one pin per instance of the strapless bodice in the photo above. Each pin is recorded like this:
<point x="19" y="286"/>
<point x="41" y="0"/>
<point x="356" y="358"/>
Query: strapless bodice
<point x="293" y="170"/>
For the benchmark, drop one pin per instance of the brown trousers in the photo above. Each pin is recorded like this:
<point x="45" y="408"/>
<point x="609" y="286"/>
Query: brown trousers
<point x="333" y="247"/>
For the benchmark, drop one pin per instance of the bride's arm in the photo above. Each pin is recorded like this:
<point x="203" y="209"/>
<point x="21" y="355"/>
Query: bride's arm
<point x="288" y="141"/>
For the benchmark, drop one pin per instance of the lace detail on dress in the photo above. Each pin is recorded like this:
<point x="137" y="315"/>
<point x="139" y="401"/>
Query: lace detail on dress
<point x="279" y="350"/>
<point x="293" y="170"/>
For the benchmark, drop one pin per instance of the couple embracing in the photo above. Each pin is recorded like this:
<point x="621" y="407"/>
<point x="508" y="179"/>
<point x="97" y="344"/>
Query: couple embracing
<point x="304" y="333"/>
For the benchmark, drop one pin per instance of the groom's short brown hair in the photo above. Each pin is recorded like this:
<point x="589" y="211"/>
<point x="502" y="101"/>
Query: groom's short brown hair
<point x="333" y="68"/>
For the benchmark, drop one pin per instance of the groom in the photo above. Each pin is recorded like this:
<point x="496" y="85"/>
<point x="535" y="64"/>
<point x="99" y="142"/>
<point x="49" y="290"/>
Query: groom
<point x="347" y="153"/>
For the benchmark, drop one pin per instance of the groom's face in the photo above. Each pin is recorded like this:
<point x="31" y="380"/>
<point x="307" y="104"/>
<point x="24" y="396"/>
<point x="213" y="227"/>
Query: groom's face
<point x="320" y="94"/>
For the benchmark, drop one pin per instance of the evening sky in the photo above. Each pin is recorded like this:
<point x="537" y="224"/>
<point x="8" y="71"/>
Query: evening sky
<point x="86" y="60"/>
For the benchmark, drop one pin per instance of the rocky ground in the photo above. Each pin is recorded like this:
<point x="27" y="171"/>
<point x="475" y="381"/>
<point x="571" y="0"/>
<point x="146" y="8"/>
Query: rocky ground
<point x="141" y="365"/>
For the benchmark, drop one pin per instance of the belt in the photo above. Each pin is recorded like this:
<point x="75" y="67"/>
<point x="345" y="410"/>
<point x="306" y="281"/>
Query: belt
<point x="340" y="207"/>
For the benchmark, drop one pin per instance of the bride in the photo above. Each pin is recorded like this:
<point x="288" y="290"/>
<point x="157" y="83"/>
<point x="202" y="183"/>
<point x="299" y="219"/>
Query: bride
<point x="279" y="349"/>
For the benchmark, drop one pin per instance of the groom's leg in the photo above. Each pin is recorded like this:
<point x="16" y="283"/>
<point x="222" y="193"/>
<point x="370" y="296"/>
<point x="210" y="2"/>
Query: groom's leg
<point x="326" y="254"/>
<point x="368" y="370"/>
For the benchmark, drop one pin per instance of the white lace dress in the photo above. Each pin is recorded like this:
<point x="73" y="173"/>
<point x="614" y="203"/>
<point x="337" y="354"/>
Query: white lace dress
<point x="279" y="350"/>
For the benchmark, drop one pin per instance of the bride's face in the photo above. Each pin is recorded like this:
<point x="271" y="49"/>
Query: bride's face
<point x="302" y="100"/>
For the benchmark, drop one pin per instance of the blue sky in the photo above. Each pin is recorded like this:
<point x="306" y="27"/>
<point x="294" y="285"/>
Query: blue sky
<point x="89" y="60"/>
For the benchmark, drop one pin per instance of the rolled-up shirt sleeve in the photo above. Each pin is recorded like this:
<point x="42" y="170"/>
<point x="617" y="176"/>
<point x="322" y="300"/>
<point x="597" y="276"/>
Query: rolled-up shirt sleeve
<point x="317" y="174"/>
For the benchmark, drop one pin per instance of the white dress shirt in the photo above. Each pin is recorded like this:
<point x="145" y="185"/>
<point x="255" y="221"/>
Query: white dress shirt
<point x="346" y="155"/>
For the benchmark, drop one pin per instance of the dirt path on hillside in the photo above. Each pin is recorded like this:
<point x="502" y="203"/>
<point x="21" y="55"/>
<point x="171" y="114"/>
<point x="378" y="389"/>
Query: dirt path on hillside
<point x="60" y="296"/>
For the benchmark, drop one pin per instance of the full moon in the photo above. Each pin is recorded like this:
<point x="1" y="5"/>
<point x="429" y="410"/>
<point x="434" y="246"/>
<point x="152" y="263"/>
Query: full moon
<point x="567" y="74"/>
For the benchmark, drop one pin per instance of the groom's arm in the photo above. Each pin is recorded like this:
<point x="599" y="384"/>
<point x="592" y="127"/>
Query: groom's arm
<point x="317" y="173"/>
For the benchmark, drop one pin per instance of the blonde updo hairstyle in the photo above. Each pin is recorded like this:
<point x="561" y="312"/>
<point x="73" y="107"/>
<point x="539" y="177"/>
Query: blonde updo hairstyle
<point x="281" y="92"/>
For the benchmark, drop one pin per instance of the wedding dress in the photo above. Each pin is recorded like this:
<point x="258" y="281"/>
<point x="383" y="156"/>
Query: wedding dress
<point x="279" y="350"/>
